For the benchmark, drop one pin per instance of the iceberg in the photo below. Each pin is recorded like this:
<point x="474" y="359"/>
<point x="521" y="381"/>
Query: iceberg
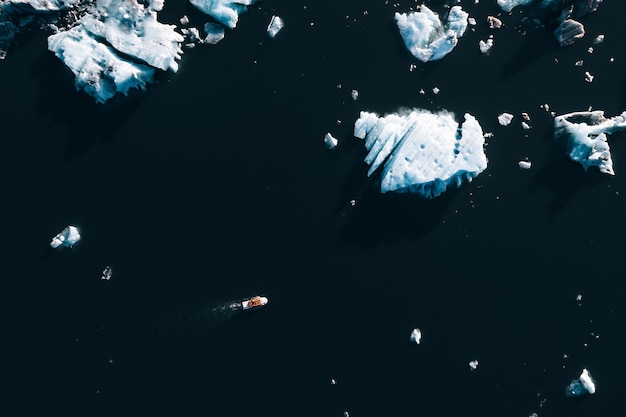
<point x="582" y="386"/>
<point x="330" y="141"/>
<point x="116" y="47"/>
<point x="224" y="11"/>
<point x="508" y="5"/>
<point x="422" y="152"/>
<point x="416" y="336"/>
<point x="426" y="37"/>
<point x="584" y="135"/>
<point x="68" y="237"/>
<point x="276" y="24"/>
<point x="215" y="33"/>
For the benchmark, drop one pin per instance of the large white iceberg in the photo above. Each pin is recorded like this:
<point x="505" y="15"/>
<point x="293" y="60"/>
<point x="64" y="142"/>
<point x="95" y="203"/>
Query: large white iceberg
<point x="426" y="37"/>
<point x="116" y="46"/>
<point x="422" y="152"/>
<point x="224" y="11"/>
<point x="584" y="135"/>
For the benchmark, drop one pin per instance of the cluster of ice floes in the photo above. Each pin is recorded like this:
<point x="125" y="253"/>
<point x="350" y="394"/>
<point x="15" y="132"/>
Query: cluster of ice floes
<point x="584" y="135"/>
<point x="422" y="152"/>
<point x="568" y="29"/>
<point x="117" y="46"/>
<point x="426" y="36"/>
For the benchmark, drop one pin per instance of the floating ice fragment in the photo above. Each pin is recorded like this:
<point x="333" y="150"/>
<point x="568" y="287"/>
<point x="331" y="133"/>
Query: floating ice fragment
<point x="215" y="33"/>
<point x="505" y="119"/>
<point x="525" y="126"/>
<point x="276" y="24"/>
<point x="330" y="141"/>
<point x="68" y="237"/>
<point x="184" y="20"/>
<point x="569" y="31"/>
<point x="473" y="364"/>
<point x="416" y="336"/>
<point x="584" y="135"/>
<point x="525" y="164"/>
<point x="588" y="77"/>
<point x="494" y="22"/>
<point x="426" y="37"/>
<point x="354" y="94"/>
<point x="422" y="152"/>
<point x="333" y="381"/>
<point x="485" y="46"/>
<point x="598" y="39"/>
<point x="582" y="386"/>
<point x="107" y="273"/>
<point x="224" y="11"/>
<point x="508" y="5"/>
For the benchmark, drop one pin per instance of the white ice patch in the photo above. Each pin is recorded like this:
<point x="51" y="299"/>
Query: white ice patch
<point x="426" y="37"/>
<point x="473" y="364"/>
<point x="524" y="164"/>
<point x="422" y="152"/>
<point x="485" y="46"/>
<point x="584" y="135"/>
<point x="582" y="386"/>
<point x="330" y="141"/>
<point x="508" y="5"/>
<point x="224" y="11"/>
<point x="276" y="24"/>
<point x="416" y="336"/>
<point x="505" y="119"/>
<point x="68" y="237"/>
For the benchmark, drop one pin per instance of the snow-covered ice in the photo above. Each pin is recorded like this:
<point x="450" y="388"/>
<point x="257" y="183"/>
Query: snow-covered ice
<point x="68" y="237"/>
<point x="584" y="135"/>
<point x="116" y="46"/>
<point x="505" y="119"/>
<point x="276" y="24"/>
<point x="485" y="46"/>
<point x="582" y="386"/>
<point x="422" y="152"/>
<point x="524" y="164"/>
<point x="426" y="37"/>
<point x="416" y="336"/>
<point x="224" y="11"/>
<point x="508" y="5"/>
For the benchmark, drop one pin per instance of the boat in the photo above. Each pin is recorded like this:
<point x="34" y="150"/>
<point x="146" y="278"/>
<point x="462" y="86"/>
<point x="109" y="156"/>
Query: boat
<point x="254" y="302"/>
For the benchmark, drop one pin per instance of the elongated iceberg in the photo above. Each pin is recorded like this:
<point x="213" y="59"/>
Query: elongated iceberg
<point x="68" y="237"/>
<point x="584" y="135"/>
<point x="422" y="152"/>
<point x="224" y="11"/>
<point x="116" y="47"/>
<point x="426" y="37"/>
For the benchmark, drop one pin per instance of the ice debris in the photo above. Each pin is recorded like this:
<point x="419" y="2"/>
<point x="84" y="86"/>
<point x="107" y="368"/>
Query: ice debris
<point x="426" y="37"/>
<point x="505" y="119"/>
<point x="107" y="273"/>
<point x="224" y="11"/>
<point x="116" y="46"/>
<point x="68" y="237"/>
<point x="416" y="336"/>
<point x="276" y="24"/>
<point x="473" y="364"/>
<point x="584" y="135"/>
<point x="214" y="33"/>
<point x="582" y="386"/>
<point x="422" y="152"/>
<point x="330" y="141"/>
<point x="485" y="46"/>
<point x="525" y="164"/>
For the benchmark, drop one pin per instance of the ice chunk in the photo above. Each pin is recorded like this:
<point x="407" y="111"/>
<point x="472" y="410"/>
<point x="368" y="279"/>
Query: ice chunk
<point x="354" y="94"/>
<point x="224" y="11"/>
<point x="508" y="5"/>
<point x="588" y="77"/>
<point x="107" y="273"/>
<point x="422" y="152"/>
<point x="524" y="164"/>
<point x="485" y="46"/>
<point x="582" y="386"/>
<point x="276" y="24"/>
<point x="426" y="37"/>
<point x="330" y="141"/>
<point x="215" y="33"/>
<point x="569" y="31"/>
<point x="584" y="135"/>
<point x="473" y="364"/>
<point x="505" y="119"/>
<point x="416" y="336"/>
<point x="68" y="237"/>
<point x="114" y="46"/>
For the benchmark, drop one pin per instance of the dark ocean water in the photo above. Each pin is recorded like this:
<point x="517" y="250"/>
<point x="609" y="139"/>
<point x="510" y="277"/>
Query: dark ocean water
<point x="215" y="185"/>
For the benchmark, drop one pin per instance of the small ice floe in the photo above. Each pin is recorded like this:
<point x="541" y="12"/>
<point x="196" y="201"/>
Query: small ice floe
<point x="582" y="386"/>
<point x="494" y="22"/>
<point x="276" y="24"/>
<point x="473" y="364"/>
<point x="598" y="39"/>
<point x="68" y="237"/>
<point x="184" y="20"/>
<point x="588" y="77"/>
<point x="590" y="50"/>
<point x="525" y="126"/>
<point x="416" y="336"/>
<point x="579" y="63"/>
<point x="526" y="116"/>
<point x="485" y="46"/>
<point x="333" y="381"/>
<point x="215" y="33"/>
<point x="436" y="90"/>
<point x="330" y="141"/>
<point x="505" y="119"/>
<point x="545" y="106"/>
<point x="354" y="94"/>
<point x="107" y="273"/>
<point x="524" y="164"/>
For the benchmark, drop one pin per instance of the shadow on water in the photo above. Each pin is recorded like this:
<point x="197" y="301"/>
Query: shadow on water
<point x="59" y="104"/>
<point x="373" y="218"/>
<point x="563" y="178"/>
<point x="538" y="42"/>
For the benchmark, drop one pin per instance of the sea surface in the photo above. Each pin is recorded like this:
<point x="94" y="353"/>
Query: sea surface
<point x="215" y="185"/>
